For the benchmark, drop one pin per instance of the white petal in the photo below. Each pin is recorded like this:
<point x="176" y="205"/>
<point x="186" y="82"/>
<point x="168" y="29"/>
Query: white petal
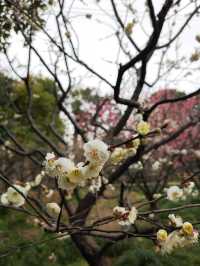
<point x="4" y="199"/>
<point x="65" y="163"/>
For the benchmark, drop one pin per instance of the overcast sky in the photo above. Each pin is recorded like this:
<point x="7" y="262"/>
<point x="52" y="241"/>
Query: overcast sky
<point x="99" y="48"/>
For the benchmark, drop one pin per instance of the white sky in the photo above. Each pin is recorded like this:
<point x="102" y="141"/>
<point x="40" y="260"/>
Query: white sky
<point x="100" y="50"/>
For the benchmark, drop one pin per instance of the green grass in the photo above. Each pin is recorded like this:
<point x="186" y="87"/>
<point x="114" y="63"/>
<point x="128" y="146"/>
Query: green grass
<point x="16" y="232"/>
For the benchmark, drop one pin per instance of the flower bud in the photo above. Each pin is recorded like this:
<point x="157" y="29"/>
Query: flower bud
<point x="162" y="235"/>
<point x="187" y="229"/>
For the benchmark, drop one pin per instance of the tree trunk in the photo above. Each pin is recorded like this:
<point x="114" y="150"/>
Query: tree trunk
<point x="102" y="261"/>
<point x="90" y="251"/>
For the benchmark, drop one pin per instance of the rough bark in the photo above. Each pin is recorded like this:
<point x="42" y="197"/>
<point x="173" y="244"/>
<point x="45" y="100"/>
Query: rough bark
<point x="90" y="251"/>
<point x="102" y="261"/>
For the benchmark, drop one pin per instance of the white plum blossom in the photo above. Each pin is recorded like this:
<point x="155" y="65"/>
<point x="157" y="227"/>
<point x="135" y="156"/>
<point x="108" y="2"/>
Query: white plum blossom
<point x="52" y="257"/>
<point x="38" y="180"/>
<point x="191" y="185"/>
<point x="163" y="160"/>
<point x="49" y="164"/>
<point x="50" y="156"/>
<point x="124" y="216"/>
<point x="188" y="188"/>
<point x="137" y="166"/>
<point x="53" y="209"/>
<point x="96" y="185"/>
<point x="96" y="151"/>
<point x="105" y="181"/>
<point x="156" y="166"/>
<point x="174" y="193"/>
<point x="50" y="193"/>
<point x="13" y="197"/>
<point x="4" y="199"/>
<point x="151" y="215"/>
<point x="172" y="241"/>
<point x="176" y="221"/>
<point x="111" y="187"/>
<point x="16" y="116"/>
<point x="157" y="195"/>
<point x="195" y="193"/>
<point x="118" y="211"/>
<point x="197" y="153"/>
<point x="27" y="186"/>
<point x="138" y="118"/>
<point x="175" y="152"/>
<point x="63" y="236"/>
<point x="184" y="152"/>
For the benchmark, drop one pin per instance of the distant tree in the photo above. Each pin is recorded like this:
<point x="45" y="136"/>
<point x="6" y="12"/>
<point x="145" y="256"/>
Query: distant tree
<point x="185" y="148"/>
<point x="13" y="110"/>
<point x="17" y="129"/>
<point x="9" y="23"/>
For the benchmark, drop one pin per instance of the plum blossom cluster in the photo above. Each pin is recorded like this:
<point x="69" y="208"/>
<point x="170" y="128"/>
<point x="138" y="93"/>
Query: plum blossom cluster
<point x="175" y="193"/>
<point x="70" y="175"/>
<point x="124" y="216"/>
<point x="185" y="235"/>
<point x="97" y="183"/>
<point x="119" y="154"/>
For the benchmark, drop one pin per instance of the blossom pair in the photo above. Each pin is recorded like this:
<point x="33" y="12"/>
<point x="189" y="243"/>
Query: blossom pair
<point x="182" y="237"/>
<point x="175" y="193"/>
